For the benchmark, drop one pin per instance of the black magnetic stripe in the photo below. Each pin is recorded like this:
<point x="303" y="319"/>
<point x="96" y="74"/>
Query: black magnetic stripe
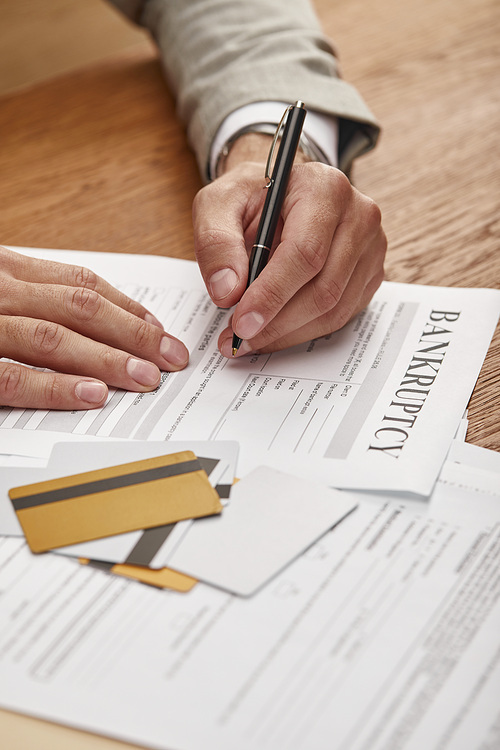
<point x="148" y="544"/>
<point x="100" y="564"/>
<point x="208" y="464"/>
<point x="151" y="540"/>
<point x="223" y="490"/>
<point x="101" y="485"/>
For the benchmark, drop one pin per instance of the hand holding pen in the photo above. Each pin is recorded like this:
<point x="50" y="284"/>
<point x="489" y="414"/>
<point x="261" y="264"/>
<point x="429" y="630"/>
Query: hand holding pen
<point x="328" y="252"/>
<point x="276" y="190"/>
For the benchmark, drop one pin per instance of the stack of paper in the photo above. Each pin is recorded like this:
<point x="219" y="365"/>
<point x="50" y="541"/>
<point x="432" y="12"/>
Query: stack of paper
<point x="367" y="617"/>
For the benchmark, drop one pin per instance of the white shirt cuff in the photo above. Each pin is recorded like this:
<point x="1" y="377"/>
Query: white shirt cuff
<point x="320" y="128"/>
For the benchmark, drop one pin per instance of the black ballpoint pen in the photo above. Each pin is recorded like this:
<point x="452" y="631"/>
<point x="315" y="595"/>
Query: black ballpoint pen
<point x="276" y="187"/>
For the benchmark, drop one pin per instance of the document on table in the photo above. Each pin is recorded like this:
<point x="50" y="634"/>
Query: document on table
<point x="372" y="406"/>
<point x="383" y="634"/>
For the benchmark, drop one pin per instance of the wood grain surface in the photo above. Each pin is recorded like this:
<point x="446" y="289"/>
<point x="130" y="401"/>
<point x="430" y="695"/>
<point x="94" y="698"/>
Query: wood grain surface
<point x="40" y="40"/>
<point x="96" y="160"/>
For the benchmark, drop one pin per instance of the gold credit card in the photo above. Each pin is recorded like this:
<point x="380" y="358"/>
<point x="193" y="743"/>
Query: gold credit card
<point x="95" y="504"/>
<point x="163" y="578"/>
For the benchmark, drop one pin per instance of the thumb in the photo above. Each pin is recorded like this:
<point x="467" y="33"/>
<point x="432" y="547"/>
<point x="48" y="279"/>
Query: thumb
<point x="219" y="211"/>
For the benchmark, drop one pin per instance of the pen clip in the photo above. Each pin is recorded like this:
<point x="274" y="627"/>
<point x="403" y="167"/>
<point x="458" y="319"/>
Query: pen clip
<point x="273" y="146"/>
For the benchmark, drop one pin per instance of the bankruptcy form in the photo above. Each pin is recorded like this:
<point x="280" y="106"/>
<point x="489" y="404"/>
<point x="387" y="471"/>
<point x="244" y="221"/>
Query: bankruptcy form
<point x="372" y="406"/>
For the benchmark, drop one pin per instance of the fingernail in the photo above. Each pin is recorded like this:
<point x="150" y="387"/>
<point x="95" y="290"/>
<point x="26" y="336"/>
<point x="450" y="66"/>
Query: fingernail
<point x="150" y="318"/>
<point x="173" y="351"/>
<point x="91" y="392"/>
<point x="222" y="283"/>
<point x="249" y="325"/>
<point x="144" y="373"/>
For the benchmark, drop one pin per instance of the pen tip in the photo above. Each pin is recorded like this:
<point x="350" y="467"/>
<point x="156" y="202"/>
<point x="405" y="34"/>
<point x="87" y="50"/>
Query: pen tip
<point x="234" y="351"/>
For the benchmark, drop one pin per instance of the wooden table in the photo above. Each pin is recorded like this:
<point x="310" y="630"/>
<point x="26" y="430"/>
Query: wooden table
<point x="96" y="160"/>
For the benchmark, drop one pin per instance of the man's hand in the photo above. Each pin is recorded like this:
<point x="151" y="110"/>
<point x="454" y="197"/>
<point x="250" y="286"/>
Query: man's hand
<point x="69" y="320"/>
<point x="326" y="265"/>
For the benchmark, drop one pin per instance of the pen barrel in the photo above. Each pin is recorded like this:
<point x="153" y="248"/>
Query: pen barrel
<point x="280" y="176"/>
<point x="258" y="259"/>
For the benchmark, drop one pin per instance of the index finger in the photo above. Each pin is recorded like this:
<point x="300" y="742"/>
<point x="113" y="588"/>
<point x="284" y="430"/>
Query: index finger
<point x="41" y="271"/>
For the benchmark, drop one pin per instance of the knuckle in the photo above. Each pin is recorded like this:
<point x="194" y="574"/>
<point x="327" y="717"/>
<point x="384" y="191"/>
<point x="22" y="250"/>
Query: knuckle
<point x="205" y="241"/>
<point x="336" y="319"/>
<point x="272" y="332"/>
<point x="86" y="278"/>
<point x="54" y="393"/>
<point x="378" y="250"/>
<point x="208" y="242"/>
<point x="379" y="256"/>
<point x="8" y="260"/>
<point x="382" y="245"/>
<point x="372" y="214"/>
<point x="85" y="303"/>
<point x="338" y="184"/>
<point x="12" y="379"/>
<point x="343" y="317"/>
<point x="47" y="337"/>
<point x="326" y="295"/>
<point x="313" y="256"/>
<point x="271" y="299"/>
<point x="142" y="335"/>
<point x="108" y="360"/>
<point x="376" y="281"/>
<point x="9" y="292"/>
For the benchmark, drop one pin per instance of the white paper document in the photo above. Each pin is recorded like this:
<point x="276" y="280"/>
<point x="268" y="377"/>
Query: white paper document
<point x="374" y="405"/>
<point x="384" y="634"/>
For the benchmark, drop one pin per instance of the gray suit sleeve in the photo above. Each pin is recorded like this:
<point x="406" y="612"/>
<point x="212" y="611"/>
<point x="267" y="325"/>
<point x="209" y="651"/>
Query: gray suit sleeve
<point x="219" y="55"/>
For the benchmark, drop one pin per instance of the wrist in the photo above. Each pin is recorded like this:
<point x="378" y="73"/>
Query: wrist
<point x="318" y="142"/>
<point x="251" y="147"/>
